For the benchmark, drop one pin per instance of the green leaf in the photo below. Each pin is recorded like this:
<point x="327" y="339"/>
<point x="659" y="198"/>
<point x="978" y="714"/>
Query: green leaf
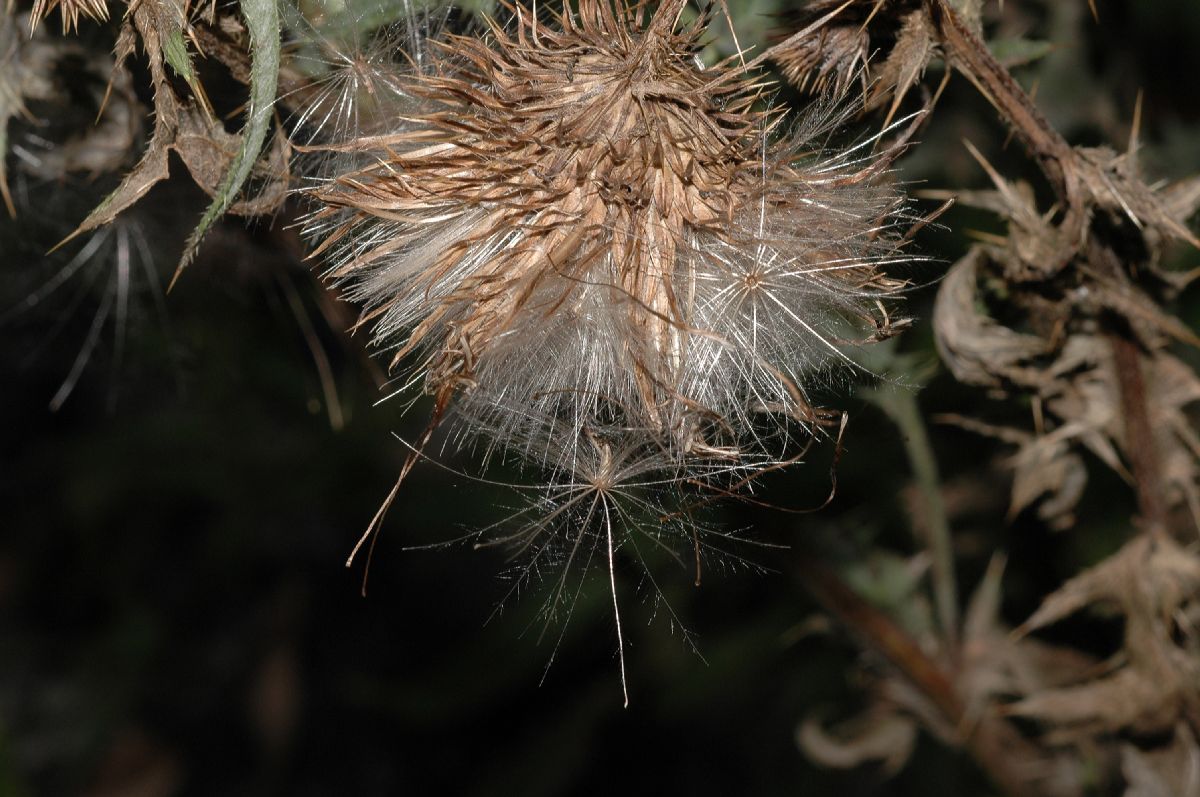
<point x="262" y="20"/>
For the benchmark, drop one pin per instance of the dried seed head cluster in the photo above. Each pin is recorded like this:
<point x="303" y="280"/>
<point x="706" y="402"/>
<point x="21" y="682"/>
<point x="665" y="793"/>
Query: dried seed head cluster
<point x="576" y="230"/>
<point x="576" y="221"/>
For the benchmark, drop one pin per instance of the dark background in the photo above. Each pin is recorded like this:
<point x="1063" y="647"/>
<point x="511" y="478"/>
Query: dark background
<point x="175" y="617"/>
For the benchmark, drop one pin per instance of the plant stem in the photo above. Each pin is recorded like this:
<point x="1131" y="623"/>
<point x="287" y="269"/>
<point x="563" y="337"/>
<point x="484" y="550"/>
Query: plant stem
<point x="1139" y="444"/>
<point x="973" y="58"/>
<point x="900" y="404"/>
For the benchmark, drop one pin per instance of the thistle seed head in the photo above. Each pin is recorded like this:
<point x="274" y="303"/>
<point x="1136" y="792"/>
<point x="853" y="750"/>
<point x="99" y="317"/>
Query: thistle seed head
<point x="579" y="223"/>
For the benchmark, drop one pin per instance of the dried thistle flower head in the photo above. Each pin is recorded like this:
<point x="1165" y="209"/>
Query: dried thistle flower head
<point x="583" y="222"/>
<point x="610" y="259"/>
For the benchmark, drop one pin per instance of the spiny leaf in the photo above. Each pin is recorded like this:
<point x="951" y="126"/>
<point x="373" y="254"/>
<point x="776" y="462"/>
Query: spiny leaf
<point x="175" y="49"/>
<point x="152" y="168"/>
<point x="975" y="347"/>
<point x="153" y="22"/>
<point x="1149" y="581"/>
<point x="262" y="20"/>
<point x="907" y="62"/>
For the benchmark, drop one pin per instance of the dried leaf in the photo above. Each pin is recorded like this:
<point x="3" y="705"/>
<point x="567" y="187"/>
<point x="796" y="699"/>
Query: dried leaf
<point x="154" y="22"/>
<point x="990" y="663"/>
<point x="1146" y="568"/>
<point x="1132" y="699"/>
<point x="1036" y="249"/>
<point x="209" y="151"/>
<point x="214" y="157"/>
<point x="877" y="735"/>
<point x="1082" y="390"/>
<point x="1112" y="181"/>
<point x="152" y="168"/>
<point x="1182" y="199"/>
<point x="995" y="664"/>
<point x="1148" y="581"/>
<point x="104" y="147"/>
<point x="975" y="348"/>
<point x="1046" y="468"/>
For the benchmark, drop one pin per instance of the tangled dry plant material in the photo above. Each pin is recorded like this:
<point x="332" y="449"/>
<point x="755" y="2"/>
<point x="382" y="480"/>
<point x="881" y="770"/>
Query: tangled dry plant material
<point x="1069" y="312"/>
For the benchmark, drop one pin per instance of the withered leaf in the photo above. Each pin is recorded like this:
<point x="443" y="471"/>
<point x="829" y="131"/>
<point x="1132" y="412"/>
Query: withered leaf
<point x="1113" y="182"/>
<point x="1083" y="391"/>
<point x="877" y="735"/>
<point x="1148" y="581"/>
<point x="154" y="23"/>
<point x="218" y="161"/>
<point x="1036" y="249"/>
<point x="1182" y="199"/>
<point x="1132" y="699"/>
<point x="1148" y="568"/>
<point x="1045" y="468"/>
<point x="995" y="664"/>
<point x="102" y="148"/>
<point x="976" y="348"/>
<point x="208" y="151"/>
